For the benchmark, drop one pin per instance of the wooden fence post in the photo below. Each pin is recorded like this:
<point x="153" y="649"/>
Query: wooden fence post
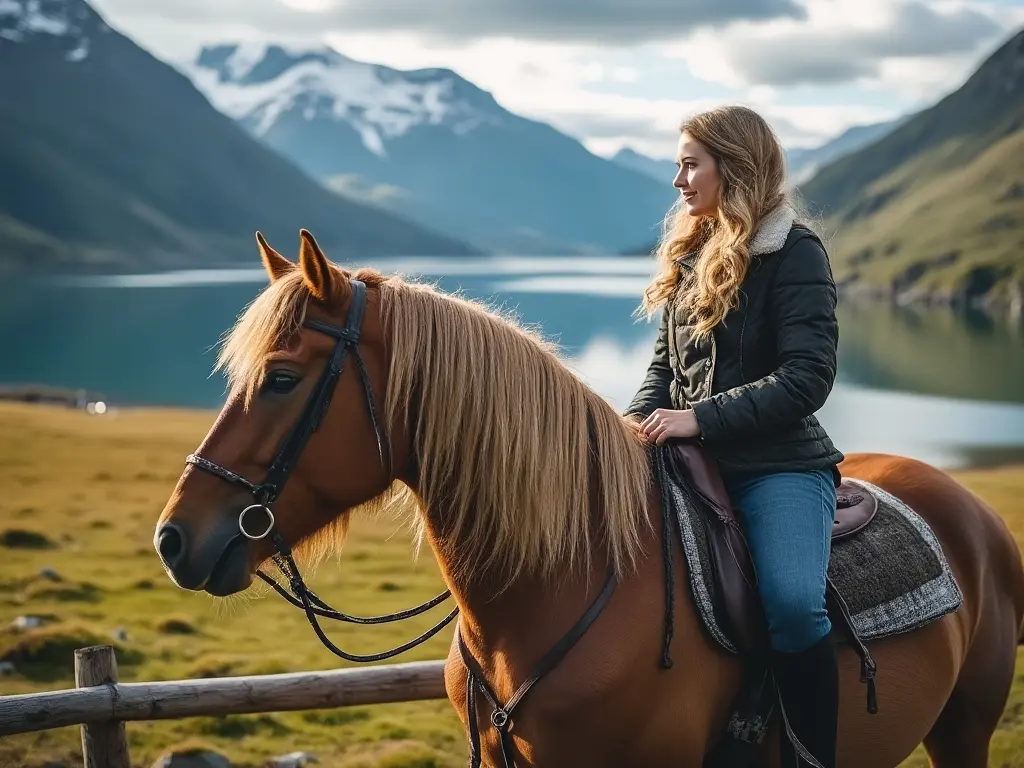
<point x="104" y="744"/>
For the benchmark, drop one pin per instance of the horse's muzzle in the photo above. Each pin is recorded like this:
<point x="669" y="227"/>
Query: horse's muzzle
<point x="217" y="564"/>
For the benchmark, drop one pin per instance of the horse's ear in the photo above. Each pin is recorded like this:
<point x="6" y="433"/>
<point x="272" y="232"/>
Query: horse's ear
<point x="323" y="282"/>
<point x="277" y="266"/>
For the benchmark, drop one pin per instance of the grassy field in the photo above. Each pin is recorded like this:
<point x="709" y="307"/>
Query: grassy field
<point x="81" y="496"/>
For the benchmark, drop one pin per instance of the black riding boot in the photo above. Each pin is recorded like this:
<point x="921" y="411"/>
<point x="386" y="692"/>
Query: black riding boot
<point x="809" y="687"/>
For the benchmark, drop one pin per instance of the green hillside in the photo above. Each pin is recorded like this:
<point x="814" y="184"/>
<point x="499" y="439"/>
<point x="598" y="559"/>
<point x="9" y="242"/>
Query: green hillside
<point x="935" y="209"/>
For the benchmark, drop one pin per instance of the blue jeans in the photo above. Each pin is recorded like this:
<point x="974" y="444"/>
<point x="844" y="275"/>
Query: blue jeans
<point x="787" y="518"/>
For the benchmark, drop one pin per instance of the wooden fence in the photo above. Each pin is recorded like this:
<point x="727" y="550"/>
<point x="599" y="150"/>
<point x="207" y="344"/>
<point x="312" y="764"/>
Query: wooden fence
<point x="101" y="705"/>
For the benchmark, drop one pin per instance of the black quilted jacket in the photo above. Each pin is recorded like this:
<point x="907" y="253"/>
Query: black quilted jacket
<point x="769" y="366"/>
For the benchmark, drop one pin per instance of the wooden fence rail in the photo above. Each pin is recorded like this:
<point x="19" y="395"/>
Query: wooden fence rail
<point x="101" y="705"/>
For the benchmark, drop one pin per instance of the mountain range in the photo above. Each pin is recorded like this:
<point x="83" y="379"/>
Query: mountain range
<point x="928" y="208"/>
<point x="801" y="162"/>
<point x="659" y="169"/>
<point x="112" y="157"/>
<point x="432" y="146"/>
<point x="804" y="162"/>
<point x="934" y="210"/>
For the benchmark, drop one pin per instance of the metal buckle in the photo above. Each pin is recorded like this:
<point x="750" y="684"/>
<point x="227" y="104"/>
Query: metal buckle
<point x="499" y="718"/>
<point x="241" y="521"/>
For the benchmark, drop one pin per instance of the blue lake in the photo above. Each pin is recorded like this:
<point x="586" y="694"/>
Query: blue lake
<point x="944" y="389"/>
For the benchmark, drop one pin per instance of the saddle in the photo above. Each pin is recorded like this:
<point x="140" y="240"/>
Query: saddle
<point x="734" y="569"/>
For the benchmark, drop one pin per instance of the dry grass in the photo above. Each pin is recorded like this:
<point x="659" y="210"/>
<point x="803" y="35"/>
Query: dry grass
<point x="94" y="487"/>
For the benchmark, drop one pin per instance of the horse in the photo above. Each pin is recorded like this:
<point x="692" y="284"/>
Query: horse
<point x="537" y="500"/>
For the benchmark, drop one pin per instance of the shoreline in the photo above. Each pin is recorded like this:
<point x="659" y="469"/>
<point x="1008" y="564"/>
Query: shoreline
<point x="194" y="417"/>
<point x="1006" y="306"/>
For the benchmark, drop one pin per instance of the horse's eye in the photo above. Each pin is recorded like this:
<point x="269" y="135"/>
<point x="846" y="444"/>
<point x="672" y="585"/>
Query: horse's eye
<point x="280" y="382"/>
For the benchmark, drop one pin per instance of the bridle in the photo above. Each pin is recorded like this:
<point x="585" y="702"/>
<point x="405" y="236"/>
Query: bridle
<point x="284" y="464"/>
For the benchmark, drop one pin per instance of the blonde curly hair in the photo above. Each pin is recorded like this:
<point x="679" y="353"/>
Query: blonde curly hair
<point x="752" y="175"/>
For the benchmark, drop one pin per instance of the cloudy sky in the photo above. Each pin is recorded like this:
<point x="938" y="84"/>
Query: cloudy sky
<point x="624" y="72"/>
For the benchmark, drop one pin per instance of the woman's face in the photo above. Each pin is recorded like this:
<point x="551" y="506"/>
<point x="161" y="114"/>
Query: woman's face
<point x="697" y="179"/>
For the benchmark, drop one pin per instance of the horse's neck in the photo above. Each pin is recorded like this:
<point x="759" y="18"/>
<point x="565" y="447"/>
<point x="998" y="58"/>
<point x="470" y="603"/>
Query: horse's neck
<point x="508" y="632"/>
<point x="508" y="628"/>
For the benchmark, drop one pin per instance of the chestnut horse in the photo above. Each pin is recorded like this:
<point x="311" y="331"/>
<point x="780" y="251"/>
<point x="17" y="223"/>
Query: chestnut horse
<point x="530" y="489"/>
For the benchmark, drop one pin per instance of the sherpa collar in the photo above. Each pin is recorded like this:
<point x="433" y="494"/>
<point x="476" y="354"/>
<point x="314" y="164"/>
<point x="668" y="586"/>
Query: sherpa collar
<point x="770" y="236"/>
<point x="772" y="231"/>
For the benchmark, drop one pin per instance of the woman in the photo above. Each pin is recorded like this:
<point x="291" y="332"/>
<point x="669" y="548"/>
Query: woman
<point x="746" y="353"/>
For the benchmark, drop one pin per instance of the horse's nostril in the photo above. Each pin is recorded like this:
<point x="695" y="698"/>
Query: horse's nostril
<point x="171" y="544"/>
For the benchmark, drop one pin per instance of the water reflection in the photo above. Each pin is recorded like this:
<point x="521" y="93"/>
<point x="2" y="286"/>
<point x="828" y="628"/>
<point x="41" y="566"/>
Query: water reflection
<point x="943" y="431"/>
<point x="922" y="383"/>
<point x="627" y="287"/>
<point x="413" y="267"/>
<point x="931" y="351"/>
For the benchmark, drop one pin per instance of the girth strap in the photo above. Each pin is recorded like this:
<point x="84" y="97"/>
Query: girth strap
<point x="868" y="668"/>
<point x="501" y="716"/>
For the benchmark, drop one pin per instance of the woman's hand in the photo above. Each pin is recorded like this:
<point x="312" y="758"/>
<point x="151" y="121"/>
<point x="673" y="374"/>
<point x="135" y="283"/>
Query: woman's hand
<point x="664" y="423"/>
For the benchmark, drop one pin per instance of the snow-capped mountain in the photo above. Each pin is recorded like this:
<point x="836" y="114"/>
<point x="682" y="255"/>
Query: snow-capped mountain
<point x="432" y="145"/>
<point x="69" y="24"/>
<point x="110" y="156"/>
<point x="263" y="84"/>
<point x="802" y="163"/>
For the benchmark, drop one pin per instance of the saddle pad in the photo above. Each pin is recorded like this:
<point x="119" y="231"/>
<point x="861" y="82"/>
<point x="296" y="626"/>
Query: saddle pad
<point x="892" y="575"/>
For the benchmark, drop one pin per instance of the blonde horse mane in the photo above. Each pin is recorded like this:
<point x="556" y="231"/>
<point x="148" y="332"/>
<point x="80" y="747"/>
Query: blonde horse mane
<point x="510" y="443"/>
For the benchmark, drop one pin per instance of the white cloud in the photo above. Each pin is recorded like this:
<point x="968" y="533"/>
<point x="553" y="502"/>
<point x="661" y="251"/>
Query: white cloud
<point x="540" y="59"/>
<point x="618" y="23"/>
<point x="560" y="84"/>
<point x="612" y="368"/>
<point x="563" y="85"/>
<point x="866" y="42"/>
<point x="610" y="22"/>
<point x="920" y="80"/>
<point x="904" y="48"/>
<point x="624" y="75"/>
<point x="309" y="6"/>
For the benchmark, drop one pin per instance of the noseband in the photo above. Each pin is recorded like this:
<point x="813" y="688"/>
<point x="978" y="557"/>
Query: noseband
<point x="267" y="492"/>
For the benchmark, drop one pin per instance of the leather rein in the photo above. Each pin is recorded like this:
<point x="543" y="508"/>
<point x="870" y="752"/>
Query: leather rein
<point x="301" y="596"/>
<point x="264" y="494"/>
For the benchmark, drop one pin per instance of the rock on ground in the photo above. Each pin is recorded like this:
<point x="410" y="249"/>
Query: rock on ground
<point x="192" y="758"/>
<point x="291" y="760"/>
